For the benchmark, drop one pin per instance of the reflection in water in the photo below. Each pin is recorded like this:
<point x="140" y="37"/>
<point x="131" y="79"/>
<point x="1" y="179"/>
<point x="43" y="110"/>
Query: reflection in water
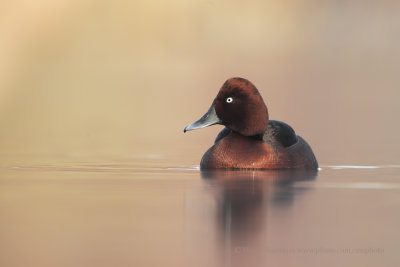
<point x="124" y="214"/>
<point x="242" y="204"/>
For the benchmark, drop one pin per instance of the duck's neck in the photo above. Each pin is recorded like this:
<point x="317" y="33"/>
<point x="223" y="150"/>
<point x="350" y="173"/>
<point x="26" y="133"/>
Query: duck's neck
<point x="258" y="137"/>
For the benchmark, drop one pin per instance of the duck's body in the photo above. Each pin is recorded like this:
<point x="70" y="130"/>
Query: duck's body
<point x="278" y="149"/>
<point x="250" y="140"/>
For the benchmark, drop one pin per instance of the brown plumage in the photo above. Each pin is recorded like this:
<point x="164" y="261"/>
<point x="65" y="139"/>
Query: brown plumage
<point x="250" y="140"/>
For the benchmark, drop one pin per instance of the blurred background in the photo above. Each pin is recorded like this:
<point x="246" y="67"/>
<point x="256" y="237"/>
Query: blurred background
<point x="123" y="78"/>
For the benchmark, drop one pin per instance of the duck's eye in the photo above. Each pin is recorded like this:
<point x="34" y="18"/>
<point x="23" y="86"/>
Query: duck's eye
<point x="229" y="100"/>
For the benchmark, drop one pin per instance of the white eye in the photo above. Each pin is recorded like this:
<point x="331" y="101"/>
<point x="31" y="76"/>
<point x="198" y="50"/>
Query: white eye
<point x="229" y="100"/>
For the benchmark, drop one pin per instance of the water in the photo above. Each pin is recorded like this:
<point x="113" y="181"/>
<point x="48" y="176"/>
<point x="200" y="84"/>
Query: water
<point x="112" y="212"/>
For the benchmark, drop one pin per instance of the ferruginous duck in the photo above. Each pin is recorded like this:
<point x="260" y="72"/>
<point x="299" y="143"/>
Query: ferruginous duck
<point x="250" y="140"/>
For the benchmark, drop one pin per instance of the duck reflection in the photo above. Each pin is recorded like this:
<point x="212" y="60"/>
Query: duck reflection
<point x="243" y="198"/>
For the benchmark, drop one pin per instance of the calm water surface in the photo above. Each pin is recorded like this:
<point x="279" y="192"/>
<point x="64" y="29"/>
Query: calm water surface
<point x="151" y="213"/>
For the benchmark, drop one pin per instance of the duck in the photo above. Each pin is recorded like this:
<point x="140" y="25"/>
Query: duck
<point x="250" y="140"/>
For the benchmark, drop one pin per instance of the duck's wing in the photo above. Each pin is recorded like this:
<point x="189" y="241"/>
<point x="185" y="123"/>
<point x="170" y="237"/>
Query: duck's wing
<point x="280" y="132"/>
<point x="277" y="132"/>
<point x="224" y="132"/>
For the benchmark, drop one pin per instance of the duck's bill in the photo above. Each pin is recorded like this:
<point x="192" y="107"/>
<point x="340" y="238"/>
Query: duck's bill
<point x="208" y="119"/>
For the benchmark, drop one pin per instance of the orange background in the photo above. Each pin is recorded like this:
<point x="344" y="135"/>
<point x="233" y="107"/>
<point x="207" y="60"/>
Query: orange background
<point x="90" y="78"/>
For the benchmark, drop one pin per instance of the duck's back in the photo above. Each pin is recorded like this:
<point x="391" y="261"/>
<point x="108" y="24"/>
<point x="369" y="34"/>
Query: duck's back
<point x="280" y="133"/>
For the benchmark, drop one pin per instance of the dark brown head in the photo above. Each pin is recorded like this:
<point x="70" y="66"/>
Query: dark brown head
<point x="239" y="106"/>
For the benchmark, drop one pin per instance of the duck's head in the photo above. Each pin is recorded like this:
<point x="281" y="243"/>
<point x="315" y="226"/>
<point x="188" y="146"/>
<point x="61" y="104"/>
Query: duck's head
<point x="239" y="106"/>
